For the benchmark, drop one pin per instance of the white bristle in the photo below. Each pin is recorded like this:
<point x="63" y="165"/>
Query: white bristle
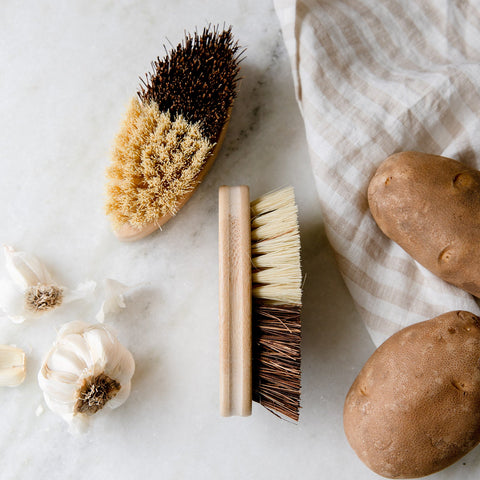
<point x="288" y="243"/>
<point x="274" y="222"/>
<point x="272" y="259"/>
<point x="279" y="293"/>
<point x="273" y="201"/>
<point x="277" y="275"/>
<point x="289" y="212"/>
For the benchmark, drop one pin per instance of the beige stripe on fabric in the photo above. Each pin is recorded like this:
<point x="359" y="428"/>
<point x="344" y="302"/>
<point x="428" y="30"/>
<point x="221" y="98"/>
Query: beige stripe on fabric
<point x="374" y="78"/>
<point x="453" y="125"/>
<point x="378" y="324"/>
<point x="401" y="298"/>
<point x="411" y="121"/>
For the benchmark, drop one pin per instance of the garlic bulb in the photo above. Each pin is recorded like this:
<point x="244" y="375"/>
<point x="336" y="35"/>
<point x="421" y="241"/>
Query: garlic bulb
<point x="12" y="366"/>
<point x="31" y="291"/>
<point x="87" y="369"/>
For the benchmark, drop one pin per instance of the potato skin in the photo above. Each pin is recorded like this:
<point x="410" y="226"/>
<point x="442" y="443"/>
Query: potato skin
<point x="414" y="408"/>
<point x="430" y="206"/>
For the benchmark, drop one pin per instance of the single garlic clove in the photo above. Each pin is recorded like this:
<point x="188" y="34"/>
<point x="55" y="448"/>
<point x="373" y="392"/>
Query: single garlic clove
<point x="12" y="366"/>
<point x="107" y="351"/>
<point x="120" y="397"/>
<point x="60" y="390"/>
<point x="25" y="269"/>
<point x="71" y="328"/>
<point x="67" y="361"/>
<point x="78" y="345"/>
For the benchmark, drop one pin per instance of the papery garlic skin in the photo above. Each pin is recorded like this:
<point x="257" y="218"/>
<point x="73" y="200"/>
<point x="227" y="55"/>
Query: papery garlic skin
<point x="114" y="298"/>
<point x="86" y="370"/>
<point x="30" y="290"/>
<point x="12" y="366"/>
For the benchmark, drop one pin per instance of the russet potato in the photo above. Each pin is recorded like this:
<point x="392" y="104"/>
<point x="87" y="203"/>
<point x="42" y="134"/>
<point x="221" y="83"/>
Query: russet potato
<point x="430" y="206"/>
<point x="414" y="408"/>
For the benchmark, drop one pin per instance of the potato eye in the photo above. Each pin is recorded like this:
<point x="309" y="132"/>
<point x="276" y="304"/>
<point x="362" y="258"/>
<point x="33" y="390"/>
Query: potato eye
<point x="463" y="180"/>
<point x="446" y="255"/>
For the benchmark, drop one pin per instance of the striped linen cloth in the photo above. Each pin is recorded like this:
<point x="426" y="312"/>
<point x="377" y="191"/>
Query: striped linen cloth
<point x="374" y="77"/>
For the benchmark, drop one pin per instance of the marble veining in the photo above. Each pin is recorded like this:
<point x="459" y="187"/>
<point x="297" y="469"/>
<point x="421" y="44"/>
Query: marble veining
<point x="67" y="72"/>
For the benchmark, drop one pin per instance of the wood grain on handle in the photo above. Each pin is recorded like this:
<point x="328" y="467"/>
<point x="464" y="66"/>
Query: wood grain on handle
<point x="235" y="298"/>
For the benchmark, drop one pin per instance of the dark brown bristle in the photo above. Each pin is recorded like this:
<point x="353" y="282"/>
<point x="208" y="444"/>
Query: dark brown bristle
<point x="276" y="338"/>
<point x="197" y="79"/>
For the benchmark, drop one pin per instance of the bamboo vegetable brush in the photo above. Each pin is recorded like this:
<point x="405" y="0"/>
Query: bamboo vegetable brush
<point x="260" y="302"/>
<point x="172" y="132"/>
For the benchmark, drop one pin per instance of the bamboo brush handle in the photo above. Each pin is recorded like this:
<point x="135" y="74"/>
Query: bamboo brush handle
<point x="235" y="298"/>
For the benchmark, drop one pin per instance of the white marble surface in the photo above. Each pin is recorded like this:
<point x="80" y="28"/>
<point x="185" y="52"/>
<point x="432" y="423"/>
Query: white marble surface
<point x="67" y="71"/>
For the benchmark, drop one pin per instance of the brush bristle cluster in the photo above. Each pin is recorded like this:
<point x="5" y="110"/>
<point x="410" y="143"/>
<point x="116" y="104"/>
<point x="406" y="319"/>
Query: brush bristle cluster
<point x="170" y="131"/>
<point x="277" y="292"/>
<point x="276" y="333"/>
<point x="197" y="80"/>
<point x="154" y="163"/>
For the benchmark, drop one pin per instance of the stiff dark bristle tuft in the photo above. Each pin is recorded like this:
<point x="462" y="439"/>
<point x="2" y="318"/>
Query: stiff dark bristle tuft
<point x="197" y="79"/>
<point x="276" y="338"/>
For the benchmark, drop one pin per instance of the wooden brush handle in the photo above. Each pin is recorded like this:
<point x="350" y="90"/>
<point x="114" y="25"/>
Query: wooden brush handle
<point x="235" y="299"/>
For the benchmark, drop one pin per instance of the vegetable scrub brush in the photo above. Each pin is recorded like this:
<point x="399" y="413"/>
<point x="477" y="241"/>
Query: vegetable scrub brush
<point x="260" y="302"/>
<point x="172" y="132"/>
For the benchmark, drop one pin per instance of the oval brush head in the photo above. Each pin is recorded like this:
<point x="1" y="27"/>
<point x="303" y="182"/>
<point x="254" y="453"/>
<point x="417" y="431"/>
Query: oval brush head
<point x="172" y="132"/>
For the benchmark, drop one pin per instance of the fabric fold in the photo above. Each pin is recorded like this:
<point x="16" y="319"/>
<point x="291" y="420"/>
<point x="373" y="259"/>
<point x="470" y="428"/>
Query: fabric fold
<point x="371" y="79"/>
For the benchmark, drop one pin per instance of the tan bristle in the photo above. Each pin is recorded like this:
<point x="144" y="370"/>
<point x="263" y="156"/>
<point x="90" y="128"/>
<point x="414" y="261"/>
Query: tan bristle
<point x="155" y="161"/>
<point x="277" y="290"/>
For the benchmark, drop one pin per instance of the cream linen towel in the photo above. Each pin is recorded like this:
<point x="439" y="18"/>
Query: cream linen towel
<point x="374" y="77"/>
